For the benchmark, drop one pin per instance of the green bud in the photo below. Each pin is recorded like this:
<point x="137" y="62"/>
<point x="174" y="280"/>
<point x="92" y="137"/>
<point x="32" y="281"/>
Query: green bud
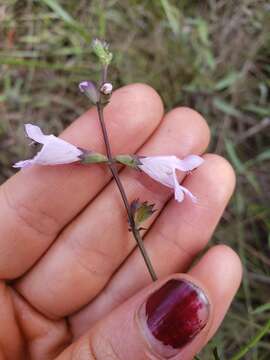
<point x="93" y="158"/>
<point x="101" y="49"/>
<point x="129" y="160"/>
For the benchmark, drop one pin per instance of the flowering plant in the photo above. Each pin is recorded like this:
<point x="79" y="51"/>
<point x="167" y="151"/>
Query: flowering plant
<point x="56" y="151"/>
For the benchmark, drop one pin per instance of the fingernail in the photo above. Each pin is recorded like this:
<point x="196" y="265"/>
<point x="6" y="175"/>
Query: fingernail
<point x="173" y="315"/>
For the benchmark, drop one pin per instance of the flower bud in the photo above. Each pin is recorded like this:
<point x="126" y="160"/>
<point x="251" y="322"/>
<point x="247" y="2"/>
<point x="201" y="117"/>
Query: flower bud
<point x="106" y="89"/>
<point x="101" y="49"/>
<point x="90" y="90"/>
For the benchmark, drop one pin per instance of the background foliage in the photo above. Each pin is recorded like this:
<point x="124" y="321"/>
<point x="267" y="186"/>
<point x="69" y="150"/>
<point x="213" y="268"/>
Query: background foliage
<point x="210" y="55"/>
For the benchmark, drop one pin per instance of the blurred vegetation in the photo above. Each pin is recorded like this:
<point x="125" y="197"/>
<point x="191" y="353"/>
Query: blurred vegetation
<point x="210" y="55"/>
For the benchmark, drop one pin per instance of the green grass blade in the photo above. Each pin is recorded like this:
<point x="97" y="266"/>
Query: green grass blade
<point x="171" y="16"/>
<point x="216" y="355"/>
<point x="261" y="309"/>
<point x="253" y="342"/>
<point x="239" y="166"/>
<point x="29" y="63"/>
<point x="53" y="4"/>
<point x="66" y="17"/>
<point x="226" y="108"/>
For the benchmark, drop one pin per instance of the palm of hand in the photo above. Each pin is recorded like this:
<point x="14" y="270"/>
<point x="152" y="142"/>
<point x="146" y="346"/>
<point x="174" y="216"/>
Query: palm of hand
<point x="67" y="259"/>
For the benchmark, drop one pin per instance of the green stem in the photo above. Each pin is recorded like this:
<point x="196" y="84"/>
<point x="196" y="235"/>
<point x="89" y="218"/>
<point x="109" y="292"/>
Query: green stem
<point x="116" y="177"/>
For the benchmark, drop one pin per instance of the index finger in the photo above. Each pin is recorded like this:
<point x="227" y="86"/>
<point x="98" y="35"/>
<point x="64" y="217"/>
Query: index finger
<point x="37" y="203"/>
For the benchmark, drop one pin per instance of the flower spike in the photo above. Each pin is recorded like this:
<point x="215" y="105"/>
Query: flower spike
<point x="101" y="49"/>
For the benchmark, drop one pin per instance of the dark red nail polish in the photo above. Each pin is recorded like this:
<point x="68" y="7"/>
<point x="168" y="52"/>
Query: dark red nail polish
<point x="176" y="313"/>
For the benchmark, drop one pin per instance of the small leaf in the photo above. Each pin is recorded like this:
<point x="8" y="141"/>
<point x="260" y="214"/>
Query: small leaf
<point x="141" y="211"/>
<point x="93" y="158"/>
<point x="129" y="160"/>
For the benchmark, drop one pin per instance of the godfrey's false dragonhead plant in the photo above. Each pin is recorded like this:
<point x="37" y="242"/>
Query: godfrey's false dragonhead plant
<point x="161" y="168"/>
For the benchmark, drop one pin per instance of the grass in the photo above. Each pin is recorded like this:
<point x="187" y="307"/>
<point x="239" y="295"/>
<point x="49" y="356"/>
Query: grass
<point x="210" y="55"/>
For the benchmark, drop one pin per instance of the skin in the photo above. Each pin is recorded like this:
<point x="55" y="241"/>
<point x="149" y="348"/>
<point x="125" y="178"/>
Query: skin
<point x="69" y="267"/>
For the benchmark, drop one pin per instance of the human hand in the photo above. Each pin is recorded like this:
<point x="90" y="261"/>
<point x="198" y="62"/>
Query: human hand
<point x="68" y="262"/>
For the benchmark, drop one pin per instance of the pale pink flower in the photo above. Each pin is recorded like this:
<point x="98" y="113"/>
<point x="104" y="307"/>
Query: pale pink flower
<point x="106" y="88"/>
<point x="55" y="151"/>
<point x="163" y="169"/>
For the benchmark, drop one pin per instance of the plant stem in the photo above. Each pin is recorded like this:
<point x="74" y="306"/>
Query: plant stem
<point x="104" y="74"/>
<point x="116" y="177"/>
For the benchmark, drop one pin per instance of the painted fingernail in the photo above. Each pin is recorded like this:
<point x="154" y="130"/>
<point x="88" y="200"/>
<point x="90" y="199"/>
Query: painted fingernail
<point x="173" y="316"/>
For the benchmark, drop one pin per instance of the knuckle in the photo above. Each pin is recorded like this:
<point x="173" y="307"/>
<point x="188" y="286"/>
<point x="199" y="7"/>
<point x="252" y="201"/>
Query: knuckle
<point x="103" y="348"/>
<point x="28" y="216"/>
<point x="97" y="347"/>
<point x="96" y="262"/>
